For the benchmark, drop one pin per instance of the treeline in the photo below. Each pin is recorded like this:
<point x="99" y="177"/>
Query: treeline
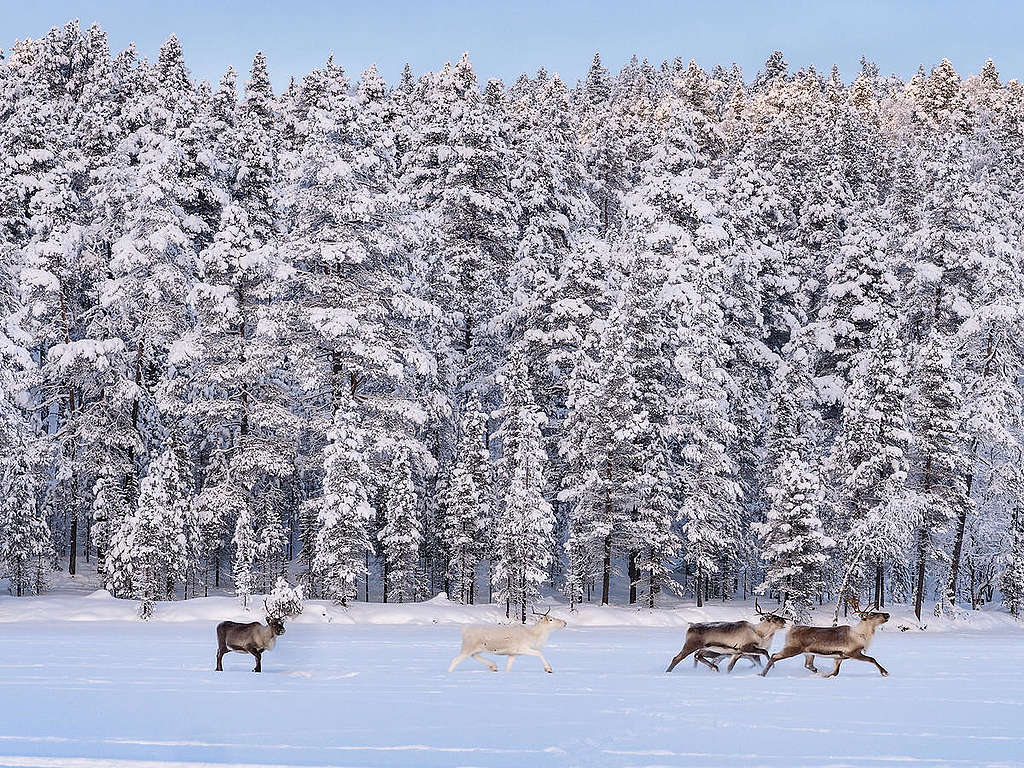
<point x="670" y="329"/>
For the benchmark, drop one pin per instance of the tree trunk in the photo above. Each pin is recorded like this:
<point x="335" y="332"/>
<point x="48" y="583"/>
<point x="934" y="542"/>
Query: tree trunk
<point x="922" y="543"/>
<point x="700" y="589"/>
<point x="958" y="541"/>
<point x="73" y="482"/>
<point x="522" y="603"/>
<point x="652" y="586"/>
<point x="606" y="574"/>
<point x="634" y="576"/>
<point x="961" y="523"/>
<point x="73" y="542"/>
<point x="922" y="549"/>
<point x="878" y="583"/>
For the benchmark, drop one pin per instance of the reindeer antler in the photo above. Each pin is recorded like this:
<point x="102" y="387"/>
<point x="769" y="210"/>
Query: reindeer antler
<point x="757" y="608"/>
<point x="542" y="614"/>
<point x="270" y="614"/>
<point x="854" y="602"/>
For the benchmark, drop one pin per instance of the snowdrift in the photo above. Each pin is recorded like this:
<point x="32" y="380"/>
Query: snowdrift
<point x="101" y="606"/>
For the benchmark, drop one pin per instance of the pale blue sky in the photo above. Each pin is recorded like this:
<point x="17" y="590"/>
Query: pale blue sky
<point x="507" y="38"/>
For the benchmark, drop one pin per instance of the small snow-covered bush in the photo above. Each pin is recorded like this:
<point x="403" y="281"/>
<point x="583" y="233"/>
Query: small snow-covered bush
<point x="285" y="601"/>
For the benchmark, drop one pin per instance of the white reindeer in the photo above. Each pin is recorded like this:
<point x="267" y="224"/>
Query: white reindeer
<point x="507" y="640"/>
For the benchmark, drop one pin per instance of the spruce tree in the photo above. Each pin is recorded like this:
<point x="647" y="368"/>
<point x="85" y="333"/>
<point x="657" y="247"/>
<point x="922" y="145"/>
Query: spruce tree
<point x="794" y="545"/>
<point x="525" y="522"/>
<point x="401" y="536"/>
<point x="939" y="463"/>
<point x="467" y="523"/>
<point x="343" y="510"/>
<point x="26" y="545"/>
<point x="243" y="561"/>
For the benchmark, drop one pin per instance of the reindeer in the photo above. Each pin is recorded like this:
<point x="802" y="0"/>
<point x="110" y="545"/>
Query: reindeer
<point x="252" y="638"/>
<point x="507" y="640"/>
<point x="839" y="643"/>
<point x="704" y="656"/>
<point x="729" y="638"/>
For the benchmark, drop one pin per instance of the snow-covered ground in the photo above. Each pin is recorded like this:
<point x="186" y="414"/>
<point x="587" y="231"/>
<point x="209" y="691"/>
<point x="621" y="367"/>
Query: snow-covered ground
<point x="370" y="688"/>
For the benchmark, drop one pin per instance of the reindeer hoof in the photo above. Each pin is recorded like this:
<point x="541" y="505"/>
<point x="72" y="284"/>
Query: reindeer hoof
<point x="884" y="673"/>
<point x="548" y="671"/>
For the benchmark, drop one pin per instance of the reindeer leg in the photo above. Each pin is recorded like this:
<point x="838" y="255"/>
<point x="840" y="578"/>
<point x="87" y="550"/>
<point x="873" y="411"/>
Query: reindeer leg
<point x="458" y="660"/>
<point x="835" y="669"/>
<point x="538" y="654"/>
<point x="686" y="651"/>
<point x="785" y="653"/>
<point x="487" y="662"/>
<point x="809" y="662"/>
<point x="751" y="650"/>
<point x="861" y="656"/>
<point x="508" y="664"/>
<point x="222" y="647"/>
<point x="259" y="661"/>
<point x="701" y="657"/>
<point x="707" y="660"/>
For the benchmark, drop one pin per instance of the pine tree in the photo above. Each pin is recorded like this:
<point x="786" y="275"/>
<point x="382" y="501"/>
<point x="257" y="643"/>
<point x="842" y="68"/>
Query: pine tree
<point x="525" y="521"/>
<point x="939" y="464"/>
<point x="1012" y="581"/>
<point x="870" y="460"/>
<point x="601" y="453"/>
<point x="343" y="511"/>
<point x="26" y="545"/>
<point x="148" y="550"/>
<point x="401" y="535"/>
<point x="467" y="522"/>
<point x="654" y="526"/>
<point x="794" y="544"/>
<point x="243" y="561"/>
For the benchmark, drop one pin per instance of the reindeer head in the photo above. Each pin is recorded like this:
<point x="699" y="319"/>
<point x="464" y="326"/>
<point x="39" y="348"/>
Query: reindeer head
<point x="775" y="620"/>
<point x="274" y="620"/>
<point x="870" y="614"/>
<point x="546" y="620"/>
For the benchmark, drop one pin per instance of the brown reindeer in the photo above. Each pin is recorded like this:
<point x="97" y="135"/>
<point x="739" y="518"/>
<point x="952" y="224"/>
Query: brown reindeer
<point x="710" y="640"/>
<point x="253" y="638"/>
<point x="839" y="643"/>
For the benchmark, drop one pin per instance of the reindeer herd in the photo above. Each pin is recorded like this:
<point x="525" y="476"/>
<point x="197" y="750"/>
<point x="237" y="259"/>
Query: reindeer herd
<point x="739" y="639"/>
<point x="707" y="641"/>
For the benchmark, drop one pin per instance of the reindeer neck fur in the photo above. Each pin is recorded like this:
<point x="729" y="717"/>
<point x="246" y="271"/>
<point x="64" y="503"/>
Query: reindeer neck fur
<point x="267" y="635"/>
<point x="865" y="630"/>
<point x="766" y="629"/>
<point x="541" y="630"/>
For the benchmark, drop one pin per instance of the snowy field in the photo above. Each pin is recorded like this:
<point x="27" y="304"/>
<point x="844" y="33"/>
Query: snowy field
<point x="111" y="692"/>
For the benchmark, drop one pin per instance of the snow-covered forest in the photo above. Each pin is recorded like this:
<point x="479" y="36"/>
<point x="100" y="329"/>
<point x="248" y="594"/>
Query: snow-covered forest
<point x="662" y="331"/>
